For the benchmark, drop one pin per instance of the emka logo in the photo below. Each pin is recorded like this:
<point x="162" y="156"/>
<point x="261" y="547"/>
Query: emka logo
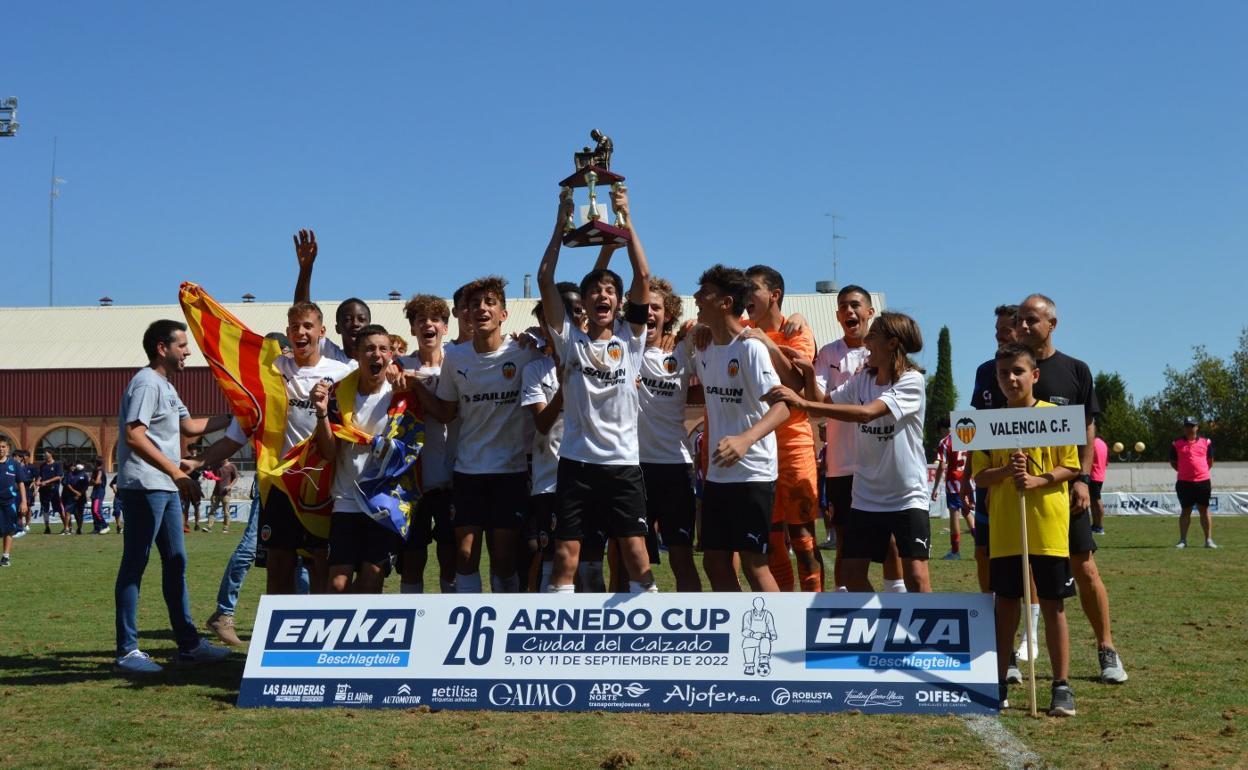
<point x="894" y="638"/>
<point x="532" y="694"/>
<point x="356" y="638"/>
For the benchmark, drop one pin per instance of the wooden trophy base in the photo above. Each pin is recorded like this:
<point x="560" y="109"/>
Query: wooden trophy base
<point x="596" y="234"/>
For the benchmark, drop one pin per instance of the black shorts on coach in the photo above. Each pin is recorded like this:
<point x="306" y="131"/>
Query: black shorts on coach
<point x="1193" y="493"/>
<point x="669" y="501"/>
<point x="736" y="515"/>
<point x="1052" y="575"/>
<point x="606" y="498"/>
<point x="490" y="500"/>
<point x="868" y="533"/>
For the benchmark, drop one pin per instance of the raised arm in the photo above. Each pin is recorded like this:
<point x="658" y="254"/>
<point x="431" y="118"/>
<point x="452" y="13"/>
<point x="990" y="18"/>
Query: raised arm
<point x="324" y="435"/>
<point x="305" y="252"/>
<point x="193" y="427"/>
<point x="639" y="289"/>
<point x="552" y="303"/>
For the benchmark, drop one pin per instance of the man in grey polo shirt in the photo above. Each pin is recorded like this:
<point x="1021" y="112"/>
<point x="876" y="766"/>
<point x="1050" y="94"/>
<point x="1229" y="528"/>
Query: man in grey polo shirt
<point x="153" y="420"/>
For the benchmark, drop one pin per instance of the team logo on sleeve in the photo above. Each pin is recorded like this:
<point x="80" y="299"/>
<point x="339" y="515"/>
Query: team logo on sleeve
<point x="509" y="370"/>
<point x="670" y="365"/>
<point x="965" y="429"/>
<point x="614" y="350"/>
<point x="734" y="366"/>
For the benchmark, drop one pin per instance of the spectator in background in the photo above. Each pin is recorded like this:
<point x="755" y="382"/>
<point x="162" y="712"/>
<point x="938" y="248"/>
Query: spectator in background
<point x="74" y="495"/>
<point x="116" y="504"/>
<point x="49" y="486"/>
<point x="30" y="472"/>
<point x="192" y="504"/>
<point x="1191" y="456"/>
<point x="952" y="464"/>
<point x="1100" y="460"/>
<point x="227" y="474"/>
<point x="12" y="498"/>
<point x="98" y="477"/>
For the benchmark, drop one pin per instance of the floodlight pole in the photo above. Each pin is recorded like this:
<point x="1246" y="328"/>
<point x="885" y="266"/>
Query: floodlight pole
<point x="52" y="194"/>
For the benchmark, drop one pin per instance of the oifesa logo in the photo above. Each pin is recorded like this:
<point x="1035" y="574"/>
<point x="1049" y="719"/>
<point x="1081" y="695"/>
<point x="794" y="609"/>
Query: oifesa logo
<point x="532" y="694"/>
<point x="509" y="370"/>
<point x="942" y="697"/>
<point x="894" y="638"/>
<point x="965" y="429"/>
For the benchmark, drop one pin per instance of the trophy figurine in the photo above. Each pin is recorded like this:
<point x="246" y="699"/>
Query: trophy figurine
<point x="593" y="167"/>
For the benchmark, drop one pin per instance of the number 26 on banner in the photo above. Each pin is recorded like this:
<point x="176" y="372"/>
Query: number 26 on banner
<point x="475" y="625"/>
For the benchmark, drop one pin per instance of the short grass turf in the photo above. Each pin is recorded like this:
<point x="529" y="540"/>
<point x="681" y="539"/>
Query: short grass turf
<point x="1178" y="620"/>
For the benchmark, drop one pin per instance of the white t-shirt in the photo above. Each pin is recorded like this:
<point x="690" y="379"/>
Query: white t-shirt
<point x="436" y="462"/>
<point x="539" y="385"/>
<point x="834" y="365"/>
<point x="330" y="349"/>
<point x="891" y="472"/>
<point x="370" y="417"/>
<point x="487" y="387"/>
<point x="300" y="414"/>
<point x="663" y="388"/>
<point x="734" y="378"/>
<point x="600" y="395"/>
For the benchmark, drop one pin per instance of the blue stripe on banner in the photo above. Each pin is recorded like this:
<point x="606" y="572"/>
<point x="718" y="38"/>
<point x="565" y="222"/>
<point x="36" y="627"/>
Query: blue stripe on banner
<point x="908" y="661"/>
<point x="336" y="659"/>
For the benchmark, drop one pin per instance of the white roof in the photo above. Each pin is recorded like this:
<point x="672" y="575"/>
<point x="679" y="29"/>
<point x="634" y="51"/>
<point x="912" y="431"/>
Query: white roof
<point x="98" y="337"/>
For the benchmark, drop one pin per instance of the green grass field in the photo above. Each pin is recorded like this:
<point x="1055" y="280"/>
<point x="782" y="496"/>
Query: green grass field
<point x="1179" y="622"/>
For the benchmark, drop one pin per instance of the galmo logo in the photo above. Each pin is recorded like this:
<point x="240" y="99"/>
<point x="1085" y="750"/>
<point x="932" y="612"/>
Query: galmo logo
<point x="532" y="694"/>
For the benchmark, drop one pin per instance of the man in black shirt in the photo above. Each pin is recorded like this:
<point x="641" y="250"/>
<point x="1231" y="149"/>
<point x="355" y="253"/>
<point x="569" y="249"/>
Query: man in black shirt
<point x="1067" y="381"/>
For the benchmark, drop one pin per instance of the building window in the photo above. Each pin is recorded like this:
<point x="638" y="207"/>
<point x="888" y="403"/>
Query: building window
<point x="68" y="445"/>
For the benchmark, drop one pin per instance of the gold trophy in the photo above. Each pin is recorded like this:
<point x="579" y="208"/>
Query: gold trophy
<point x="593" y="167"/>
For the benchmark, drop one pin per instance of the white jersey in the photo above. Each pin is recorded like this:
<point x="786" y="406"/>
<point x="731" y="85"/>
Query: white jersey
<point x="834" y="365"/>
<point x="487" y="388"/>
<point x="329" y="349"/>
<point x="436" y="461"/>
<point x="663" y="388"/>
<point x="734" y="378"/>
<point x="600" y="395"/>
<point x="300" y="414"/>
<point x="539" y="384"/>
<point x="891" y="472"/>
<point x="370" y="417"/>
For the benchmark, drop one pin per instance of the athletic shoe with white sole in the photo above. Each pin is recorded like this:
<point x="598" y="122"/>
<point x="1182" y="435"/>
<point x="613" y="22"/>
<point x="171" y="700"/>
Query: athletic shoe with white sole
<point x="1063" y="701"/>
<point x="5" y="561"/>
<point x="1012" y="674"/>
<point x="1112" y="671"/>
<point x="952" y="556"/>
<point x="1098" y="530"/>
<point x="1003" y="691"/>
<point x="22" y="533"/>
<point x="204" y="653"/>
<point x="1208" y="542"/>
<point x="1181" y="544"/>
<point x="829" y="544"/>
<point x="137" y="662"/>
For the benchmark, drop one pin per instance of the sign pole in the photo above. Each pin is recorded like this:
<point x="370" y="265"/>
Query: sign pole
<point x="1031" y="631"/>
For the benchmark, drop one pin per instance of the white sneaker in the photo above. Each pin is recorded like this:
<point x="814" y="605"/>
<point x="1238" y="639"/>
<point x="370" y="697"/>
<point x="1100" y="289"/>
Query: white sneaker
<point x="1208" y="543"/>
<point x="19" y="533"/>
<point x="136" y="662"/>
<point x="1181" y="544"/>
<point x="204" y="653"/>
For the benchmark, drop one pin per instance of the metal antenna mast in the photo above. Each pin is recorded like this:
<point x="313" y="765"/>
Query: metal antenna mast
<point x="835" y="238"/>
<point x="54" y="192"/>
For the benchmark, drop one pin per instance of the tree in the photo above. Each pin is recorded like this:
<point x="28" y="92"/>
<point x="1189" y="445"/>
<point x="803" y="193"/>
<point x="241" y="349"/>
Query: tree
<point x="942" y="394"/>
<point x="1211" y="390"/>
<point x="1120" y="418"/>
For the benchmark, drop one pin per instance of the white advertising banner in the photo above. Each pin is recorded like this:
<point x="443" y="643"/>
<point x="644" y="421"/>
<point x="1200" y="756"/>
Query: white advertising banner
<point x="1018" y="427"/>
<point x="704" y="652"/>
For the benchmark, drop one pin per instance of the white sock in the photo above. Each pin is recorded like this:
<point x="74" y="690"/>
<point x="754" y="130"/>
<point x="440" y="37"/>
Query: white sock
<point x="468" y="584"/>
<point x="554" y="589"/>
<point x="635" y="587"/>
<point x="897" y="586"/>
<point x="447" y="586"/>
<point x="591" y="576"/>
<point x="547" y="568"/>
<point x="412" y="588"/>
<point x="1035" y="621"/>
<point x="842" y="589"/>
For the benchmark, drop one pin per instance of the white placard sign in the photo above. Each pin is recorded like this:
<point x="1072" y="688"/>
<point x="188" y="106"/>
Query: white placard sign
<point x="706" y="652"/>
<point x="1018" y="427"/>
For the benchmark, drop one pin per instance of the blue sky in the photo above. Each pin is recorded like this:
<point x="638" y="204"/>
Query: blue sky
<point x="975" y="151"/>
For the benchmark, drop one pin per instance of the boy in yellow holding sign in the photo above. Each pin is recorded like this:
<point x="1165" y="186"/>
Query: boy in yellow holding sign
<point x="1040" y="475"/>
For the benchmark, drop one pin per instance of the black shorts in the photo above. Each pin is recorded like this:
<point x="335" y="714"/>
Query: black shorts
<point x="670" y="506"/>
<point x="280" y="528"/>
<point x="1193" y="493"/>
<point x="868" y="532"/>
<point x="840" y="493"/>
<point x="541" y="523"/>
<point x="1081" y="540"/>
<point x="981" y="518"/>
<point x="432" y="522"/>
<point x="50" y="500"/>
<point x="490" y="500"/>
<point x="1094" y="489"/>
<point x="1054" y="579"/>
<point x="736" y="516"/>
<point x="355" y="539"/>
<point x="8" y="517"/>
<point x="610" y="499"/>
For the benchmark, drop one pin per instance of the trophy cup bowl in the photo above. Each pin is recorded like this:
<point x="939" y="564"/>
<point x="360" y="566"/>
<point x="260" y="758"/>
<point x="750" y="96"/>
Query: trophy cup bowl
<point x="590" y="174"/>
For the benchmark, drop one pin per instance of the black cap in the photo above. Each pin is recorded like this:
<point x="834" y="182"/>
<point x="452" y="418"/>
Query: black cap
<point x="1190" y="421"/>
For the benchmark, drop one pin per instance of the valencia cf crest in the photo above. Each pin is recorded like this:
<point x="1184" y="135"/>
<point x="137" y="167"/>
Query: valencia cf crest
<point x="614" y="350"/>
<point x="669" y="364"/>
<point x="734" y="366"/>
<point x="509" y="370"/>
<point x="965" y="429"/>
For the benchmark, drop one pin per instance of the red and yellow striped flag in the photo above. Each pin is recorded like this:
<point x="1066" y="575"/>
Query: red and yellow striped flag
<point x="242" y="362"/>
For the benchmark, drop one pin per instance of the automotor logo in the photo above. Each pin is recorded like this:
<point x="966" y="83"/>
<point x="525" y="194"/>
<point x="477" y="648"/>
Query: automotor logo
<point x="339" y="638"/>
<point x="895" y="638"/>
<point x="965" y="430"/>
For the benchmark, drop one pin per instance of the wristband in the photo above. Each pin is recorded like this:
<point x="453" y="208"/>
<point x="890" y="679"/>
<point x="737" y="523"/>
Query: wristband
<point x="635" y="313"/>
<point x="1085" y="478"/>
